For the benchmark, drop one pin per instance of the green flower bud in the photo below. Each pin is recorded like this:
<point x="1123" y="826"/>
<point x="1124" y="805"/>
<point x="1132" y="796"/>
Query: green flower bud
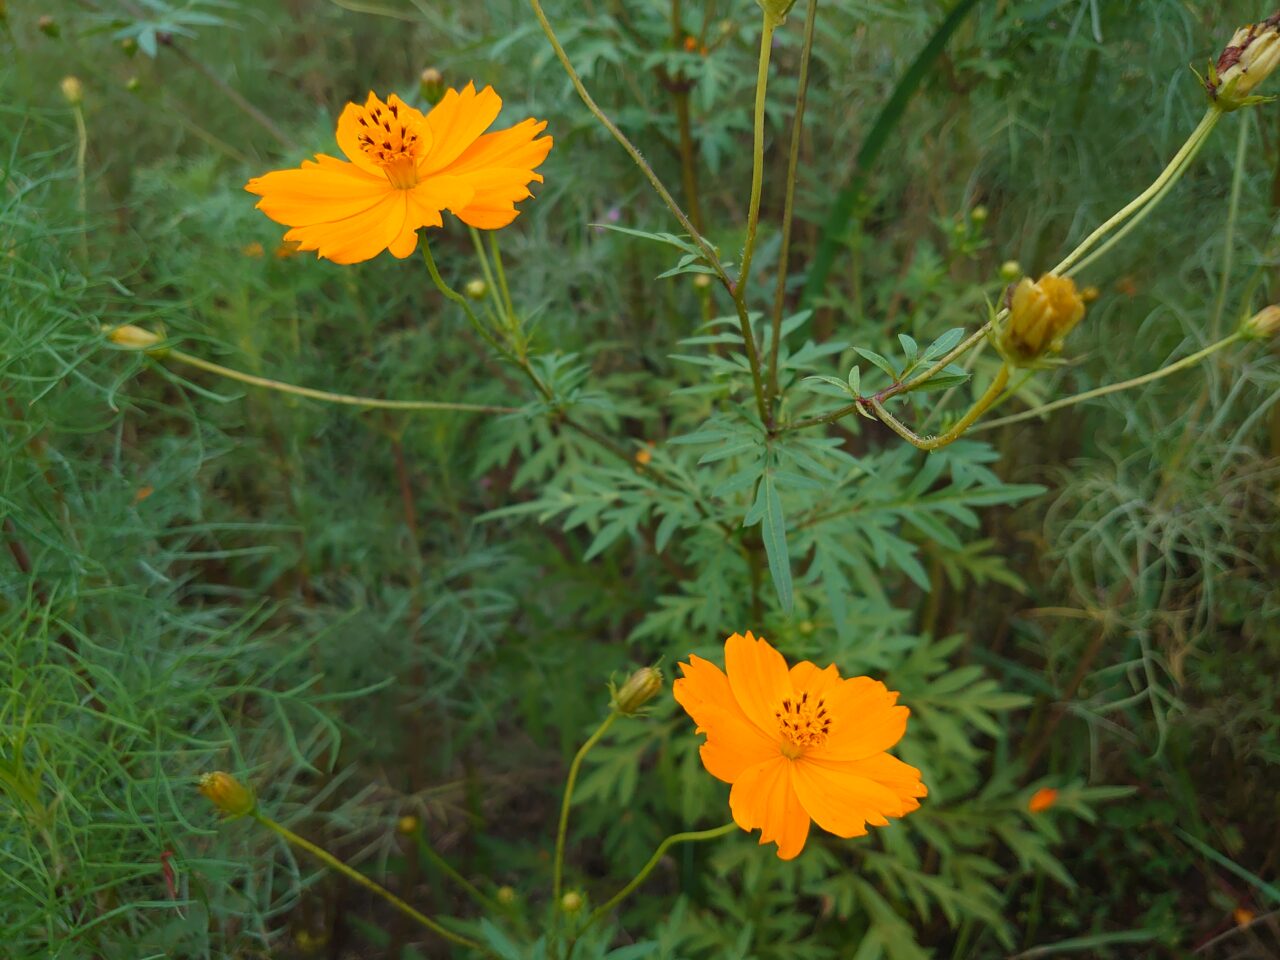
<point x="476" y="289"/>
<point x="641" y="687"/>
<point x="571" y="902"/>
<point x="1263" y="325"/>
<point x="431" y="85"/>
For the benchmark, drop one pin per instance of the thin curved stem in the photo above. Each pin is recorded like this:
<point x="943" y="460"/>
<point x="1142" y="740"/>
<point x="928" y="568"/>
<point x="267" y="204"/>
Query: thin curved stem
<point x="460" y="300"/>
<point x="708" y="253"/>
<point x="1172" y="171"/>
<point x="963" y="424"/>
<point x="768" y="25"/>
<point x="1142" y="214"/>
<point x="689" y="837"/>
<point x="1154" y="375"/>
<point x="502" y="275"/>
<point x="557" y="870"/>
<point x="476" y="894"/>
<point x="334" y="863"/>
<point x="346" y="399"/>
<point x="788" y="207"/>
<point x="905" y="386"/>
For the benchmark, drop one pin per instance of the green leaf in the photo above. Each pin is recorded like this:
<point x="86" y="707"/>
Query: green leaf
<point x="879" y="361"/>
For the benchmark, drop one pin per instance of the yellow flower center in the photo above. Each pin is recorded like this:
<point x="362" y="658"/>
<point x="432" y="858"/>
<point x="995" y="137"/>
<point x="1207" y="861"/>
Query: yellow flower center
<point x="391" y="141"/>
<point x="803" y="722"/>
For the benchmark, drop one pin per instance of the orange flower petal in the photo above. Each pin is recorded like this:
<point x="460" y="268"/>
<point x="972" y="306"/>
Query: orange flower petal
<point x="734" y="743"/>
<point x="456" y="122"/>
<point x="764" y="797"/>
<point x="758" y="677"/>
<point x="807" y="678"/>
<point x="866" y="720"/>
<point x="500" y="166"/>
<point x="324" y="189"/>
<point x="359" y="237"/>
<point x="843" y="798"/>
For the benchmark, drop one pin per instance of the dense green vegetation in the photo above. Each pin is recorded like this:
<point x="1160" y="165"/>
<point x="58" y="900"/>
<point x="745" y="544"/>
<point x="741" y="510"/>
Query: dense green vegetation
<point x="370" y="615"/>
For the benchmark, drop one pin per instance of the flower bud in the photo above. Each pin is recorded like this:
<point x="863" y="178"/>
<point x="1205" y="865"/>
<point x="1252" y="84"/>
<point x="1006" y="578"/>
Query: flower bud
<point x="506" y="896"/>
<point x="1010" y="271"/>
<point x="431" y="85"/>
<point x="476" y="289"/>
<point x="227" y="793"/>
<point x="407" y="825"/>
<point x="1263" y="325"/>
<point x="73" y="90"/>
<point x="1250" y="57"/>
<point x="133" y="84"/>
<point x="49" y="26"/>
<point x="641" y="687"/>
<point x="1041" y="314"/>
<point x="979" y="214"/>
<point x="129" y="47"/>
<point x="702" y="281"/>
<point x="571" y="902"/>
<point x="134" y="338"/>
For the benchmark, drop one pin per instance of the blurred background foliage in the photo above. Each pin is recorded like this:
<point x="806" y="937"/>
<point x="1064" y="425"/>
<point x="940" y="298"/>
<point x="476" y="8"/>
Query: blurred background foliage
<point x="371" y="615"/>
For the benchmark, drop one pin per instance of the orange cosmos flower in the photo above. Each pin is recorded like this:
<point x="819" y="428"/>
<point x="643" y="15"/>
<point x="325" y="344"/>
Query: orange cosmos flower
<point x="406" y="167"/>
<point x="798" y="744"/>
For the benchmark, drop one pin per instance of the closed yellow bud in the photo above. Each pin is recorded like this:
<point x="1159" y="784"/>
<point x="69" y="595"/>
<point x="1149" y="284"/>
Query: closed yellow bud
<point x="1041" y="314"/>
<point x="641" y="687"/>
<point x="73" y="90"/>
<point x="407" y="825"/>
<point x="1251" y="56"/>
<point x="134" y="338"/>
<point x="506" y="896"/>
<point x="1263" y="325"/>
<point x="571" y="902"/>
<point x="476" y="289"/>
<point x="1010" y="271"/>
<point x="227" y="793"/>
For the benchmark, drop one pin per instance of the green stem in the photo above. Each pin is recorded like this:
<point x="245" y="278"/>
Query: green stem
<point x="1142" y="214"/>
<point x="768" y="26"/>
<point x="1172" y="368"/>
<point x="1229" y="233"/>
<point x="557" y="882"/>
<point x="963" y="424"/>
<point x="334" y="863"/>
<point x="426" y="850"/>
<point x="600" y="912"/>
<point x="739" y="290"/>
<point x="460" y="300"/>
<point x="370" y="403"/>
<point x="82" y="203"/>
<point x="490" y="285"/>
<point x="1171" y="172"/>
<point x="502" y="276"/>
<point x="793" y="162"/>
